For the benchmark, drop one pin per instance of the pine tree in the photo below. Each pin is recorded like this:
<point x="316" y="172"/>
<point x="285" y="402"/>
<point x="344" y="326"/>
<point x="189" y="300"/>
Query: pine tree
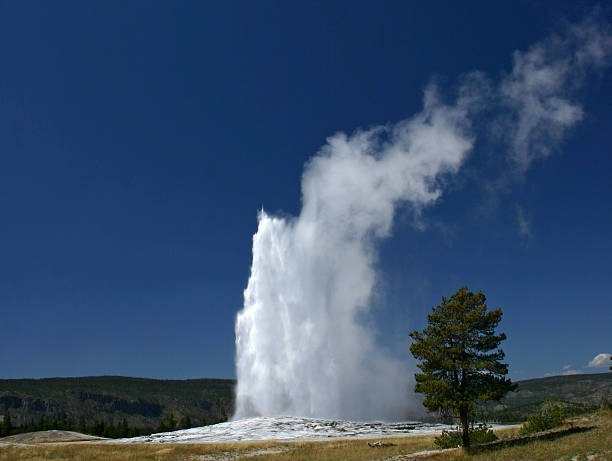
<point x="460" y="358"/>
<point x="167" y="423"/>
<point x="161" y="427"/>
<point x="185" y="422"/>
<point x="123" y="429"/>
<point x="6" y="426"/>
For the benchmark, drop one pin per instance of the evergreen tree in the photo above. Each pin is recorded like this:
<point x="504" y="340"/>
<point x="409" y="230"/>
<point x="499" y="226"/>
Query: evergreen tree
<point x="122" y="429"/>
<point x="82" y="427"/>
<point x="171" y="422"/>
<point x="185" y="422"/>
<point x="460" y="358"/>
<point x="110" y="431"/>
<point x="98" y="428"/>
<point x="6" y="427"/>
<point x="162" y="426"/>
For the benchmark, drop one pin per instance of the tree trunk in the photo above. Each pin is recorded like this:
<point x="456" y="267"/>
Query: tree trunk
<point x="465" y="434"/>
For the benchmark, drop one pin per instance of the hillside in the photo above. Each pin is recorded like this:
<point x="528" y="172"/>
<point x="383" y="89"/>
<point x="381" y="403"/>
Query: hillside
<point x="579" y="393"/>
<point x="144" y="402"/>
<point x="588" y="437"/>
<point x="141" y="402"/>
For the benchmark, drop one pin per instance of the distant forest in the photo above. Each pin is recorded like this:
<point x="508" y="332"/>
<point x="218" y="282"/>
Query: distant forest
<point x="115" y="406"/>
<point x="99" y="428"/>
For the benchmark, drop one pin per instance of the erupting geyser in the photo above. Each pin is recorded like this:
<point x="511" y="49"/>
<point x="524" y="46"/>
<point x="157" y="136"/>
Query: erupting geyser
<point x="301" y="350"/>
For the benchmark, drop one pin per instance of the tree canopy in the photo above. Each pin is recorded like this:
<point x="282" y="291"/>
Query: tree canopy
<point x="460" y="357"/>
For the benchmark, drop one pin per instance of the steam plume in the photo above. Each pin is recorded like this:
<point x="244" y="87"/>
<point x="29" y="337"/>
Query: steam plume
<point x="300" y="347"/>
<point x="540" y="90"/>
<point x="301" y="350"/>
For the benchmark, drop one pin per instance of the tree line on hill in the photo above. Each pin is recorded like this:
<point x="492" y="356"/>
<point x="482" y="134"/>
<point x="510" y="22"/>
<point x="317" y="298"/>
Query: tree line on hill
<point x="518" y="413"/>
<point x="98" y="428"/>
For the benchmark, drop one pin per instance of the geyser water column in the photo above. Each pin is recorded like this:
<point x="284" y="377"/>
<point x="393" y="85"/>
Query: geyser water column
<point x="300" y="349"/>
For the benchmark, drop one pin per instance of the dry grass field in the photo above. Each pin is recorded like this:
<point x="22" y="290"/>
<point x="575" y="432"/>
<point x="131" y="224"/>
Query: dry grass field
<point x="591" y="441"/>
<point x="328" y="450"/>
<point x="588" y="438"/>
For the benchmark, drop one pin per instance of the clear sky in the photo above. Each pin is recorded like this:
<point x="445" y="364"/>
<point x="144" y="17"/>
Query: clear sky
<point x="139" y="139"/>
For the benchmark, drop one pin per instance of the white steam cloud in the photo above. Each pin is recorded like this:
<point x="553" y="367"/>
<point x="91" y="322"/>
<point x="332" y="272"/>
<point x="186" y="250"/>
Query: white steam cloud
<point x="524" y="223"/>
<point x="540" y="87"/>
<point x="301" y="348"/>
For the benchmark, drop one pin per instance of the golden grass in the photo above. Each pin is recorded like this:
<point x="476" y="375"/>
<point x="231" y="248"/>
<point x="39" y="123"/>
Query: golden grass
<point x="590" y="444"/>
<point x="309" y="450"/>
<point x="351" y="450"/>
<point x="572" y="446"/>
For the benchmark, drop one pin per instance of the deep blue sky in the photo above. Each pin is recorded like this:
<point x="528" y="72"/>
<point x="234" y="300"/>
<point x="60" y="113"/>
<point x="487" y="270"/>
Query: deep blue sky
<point x="139" y="139"/>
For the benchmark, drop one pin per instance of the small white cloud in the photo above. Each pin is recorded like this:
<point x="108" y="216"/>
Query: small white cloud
<point x="572" y="372"/>
<point x="524" y="223"/>
<point x="600" y="360"/>
<point x="538" y="100"/>
<point x="540" y="89"/>
<point x="567" y="371"/>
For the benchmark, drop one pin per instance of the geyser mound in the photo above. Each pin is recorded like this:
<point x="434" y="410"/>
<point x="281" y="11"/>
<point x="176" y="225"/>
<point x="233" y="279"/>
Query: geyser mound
<point x="286" y="428"/>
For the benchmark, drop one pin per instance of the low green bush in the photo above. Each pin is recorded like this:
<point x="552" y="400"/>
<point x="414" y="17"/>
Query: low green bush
<point x="551" y="415"/>
<point x="452" y="439"/>
<point x="606" y="404"/>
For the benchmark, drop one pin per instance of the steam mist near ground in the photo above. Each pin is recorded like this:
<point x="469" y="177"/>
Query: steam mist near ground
<point x="300" y="348"/>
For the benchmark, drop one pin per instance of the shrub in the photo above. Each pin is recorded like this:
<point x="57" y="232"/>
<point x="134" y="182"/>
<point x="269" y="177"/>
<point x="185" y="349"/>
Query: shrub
<point x="551" y="415"/>
<point x="452" y="439"/>
<point x="606" y="405"/>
